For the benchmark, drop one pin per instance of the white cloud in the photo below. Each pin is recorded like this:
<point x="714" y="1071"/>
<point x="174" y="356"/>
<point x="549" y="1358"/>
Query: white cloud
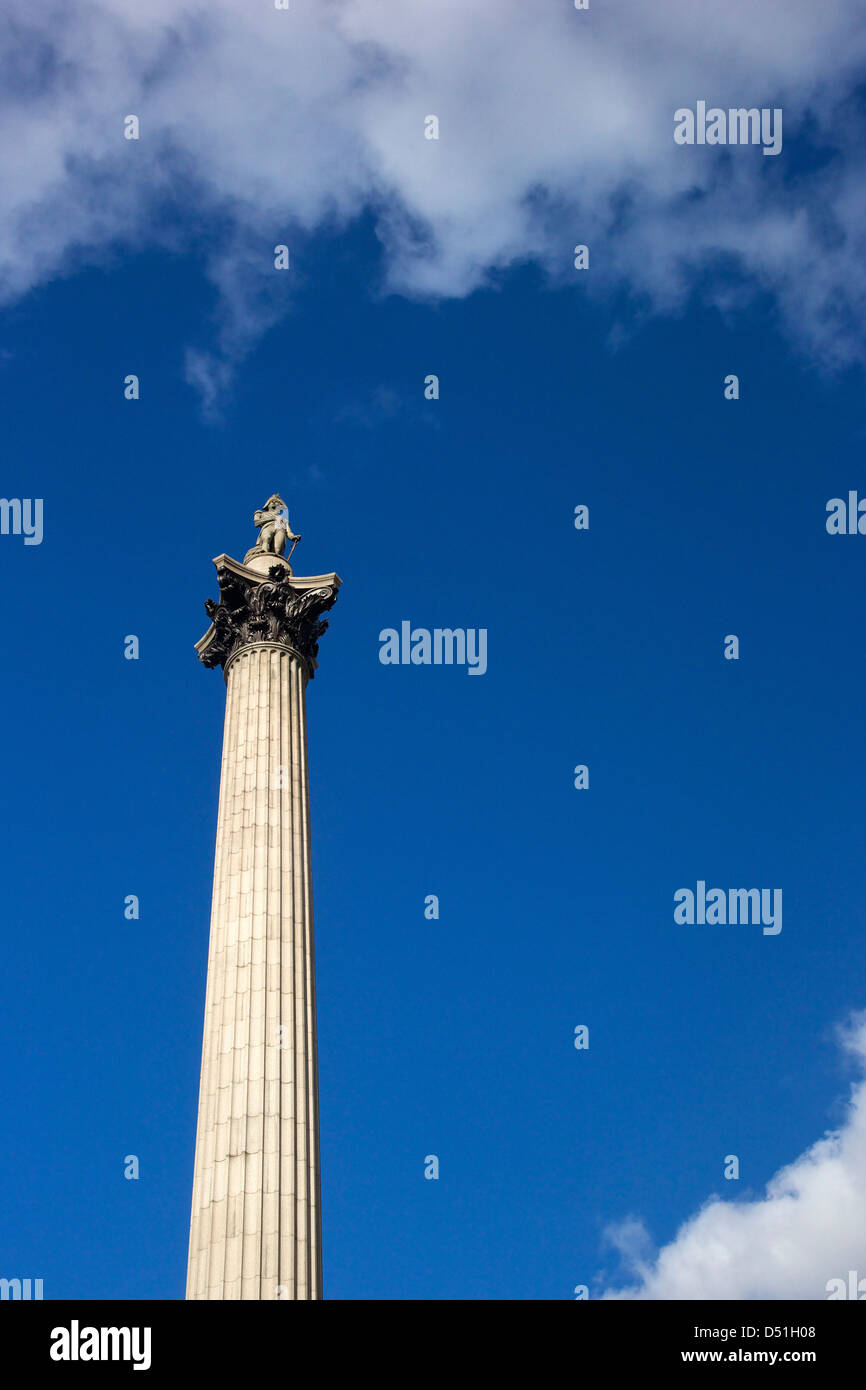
<point x="809" y="1228"/>
<point x="556" y="126"/>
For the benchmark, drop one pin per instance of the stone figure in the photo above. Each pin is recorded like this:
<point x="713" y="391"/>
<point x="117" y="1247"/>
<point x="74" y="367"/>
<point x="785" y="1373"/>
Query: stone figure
<point x="274" y="530"/>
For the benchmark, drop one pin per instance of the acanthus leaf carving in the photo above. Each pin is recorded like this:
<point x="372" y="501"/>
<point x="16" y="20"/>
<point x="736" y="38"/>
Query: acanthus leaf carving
<point x="269" y="610"/>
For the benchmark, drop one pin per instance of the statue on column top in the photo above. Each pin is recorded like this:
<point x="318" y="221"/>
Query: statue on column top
<point x="272" y="521"/>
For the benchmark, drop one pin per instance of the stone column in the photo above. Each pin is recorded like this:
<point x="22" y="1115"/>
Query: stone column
<point x="255" y="1229"/>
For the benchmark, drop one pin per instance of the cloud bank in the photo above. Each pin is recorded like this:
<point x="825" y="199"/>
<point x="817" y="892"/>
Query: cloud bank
<point x="808" y="1229"/>
<point x="261" y="126"/>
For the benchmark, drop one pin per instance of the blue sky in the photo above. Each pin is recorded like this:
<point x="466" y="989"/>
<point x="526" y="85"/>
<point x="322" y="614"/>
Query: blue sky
<point x="605" y="647"/>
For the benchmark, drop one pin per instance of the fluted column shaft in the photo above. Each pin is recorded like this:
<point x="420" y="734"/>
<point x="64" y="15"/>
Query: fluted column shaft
<point x="255" y="1231"/>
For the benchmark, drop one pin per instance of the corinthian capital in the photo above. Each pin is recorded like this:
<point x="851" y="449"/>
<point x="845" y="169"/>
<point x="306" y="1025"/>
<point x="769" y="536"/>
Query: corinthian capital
<point x="266" y="604"/>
